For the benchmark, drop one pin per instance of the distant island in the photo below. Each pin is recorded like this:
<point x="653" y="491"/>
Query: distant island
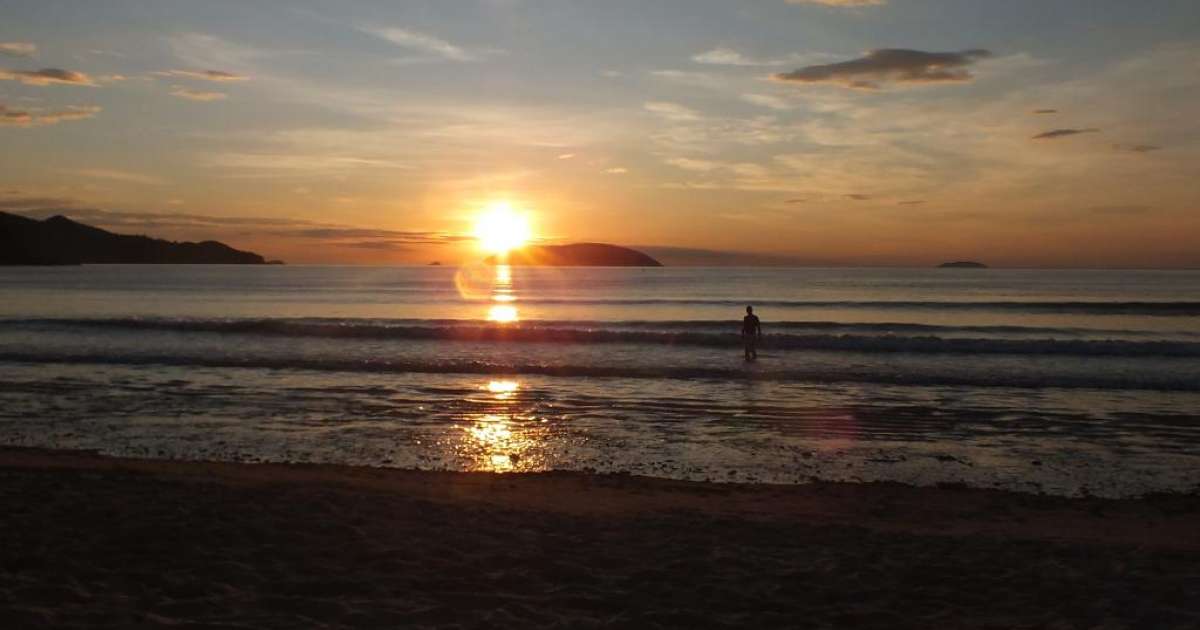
<point x="577" y="255"/>
<point x="962" y="264"/>
<point x="61" y="241"/>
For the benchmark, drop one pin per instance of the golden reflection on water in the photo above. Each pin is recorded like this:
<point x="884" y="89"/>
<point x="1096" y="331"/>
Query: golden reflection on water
<point x="502" y="310"/>
<point x="502" y="438"/>
<point x="503" y="314"/>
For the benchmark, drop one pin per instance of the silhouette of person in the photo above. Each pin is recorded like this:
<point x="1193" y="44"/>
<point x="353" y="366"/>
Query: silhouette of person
<point x="751" y="333"/>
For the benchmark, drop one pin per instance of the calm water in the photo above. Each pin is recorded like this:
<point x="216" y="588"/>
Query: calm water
<point x="1055" y="381"/>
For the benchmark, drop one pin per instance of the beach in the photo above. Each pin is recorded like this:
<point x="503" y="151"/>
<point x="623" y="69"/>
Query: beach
<point x="93" y="541"/>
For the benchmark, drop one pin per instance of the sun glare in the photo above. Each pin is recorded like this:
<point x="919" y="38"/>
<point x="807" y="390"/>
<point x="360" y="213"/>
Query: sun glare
<point x="500" y="229"/>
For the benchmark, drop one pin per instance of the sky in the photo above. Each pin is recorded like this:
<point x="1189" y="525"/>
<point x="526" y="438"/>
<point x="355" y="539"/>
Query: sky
<point x="1056" y="133"/>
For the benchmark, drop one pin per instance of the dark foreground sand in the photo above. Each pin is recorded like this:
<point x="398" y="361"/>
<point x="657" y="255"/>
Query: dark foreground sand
<point x="87" y="541"/>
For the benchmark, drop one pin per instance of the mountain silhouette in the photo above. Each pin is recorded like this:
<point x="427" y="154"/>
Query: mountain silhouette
<point x="576" y="255"/>
<point x="61" y="241"/>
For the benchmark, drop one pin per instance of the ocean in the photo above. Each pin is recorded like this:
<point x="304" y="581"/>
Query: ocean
<point x="1065" y="382"/>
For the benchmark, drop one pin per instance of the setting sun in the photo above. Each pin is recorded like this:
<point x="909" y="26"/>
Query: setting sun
<point x="500" y="229"/>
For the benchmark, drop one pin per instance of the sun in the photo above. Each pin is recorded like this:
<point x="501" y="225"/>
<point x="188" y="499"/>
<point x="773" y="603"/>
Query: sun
<point x="500" y="229"/>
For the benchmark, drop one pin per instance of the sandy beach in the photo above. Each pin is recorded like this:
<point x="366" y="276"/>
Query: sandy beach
<point x="91" y="541"/>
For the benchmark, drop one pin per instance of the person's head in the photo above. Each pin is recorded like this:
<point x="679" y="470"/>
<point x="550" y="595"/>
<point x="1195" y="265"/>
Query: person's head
<point x="749" y="310"/>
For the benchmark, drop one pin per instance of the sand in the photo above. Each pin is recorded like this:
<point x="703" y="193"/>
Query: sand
<point x="89" y="541"/>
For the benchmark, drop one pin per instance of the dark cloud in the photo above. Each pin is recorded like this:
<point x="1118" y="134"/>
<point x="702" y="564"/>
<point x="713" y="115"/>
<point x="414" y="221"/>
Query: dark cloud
<point x="1137" y="148"/>
<point x="204" y="75"/>
<point x="914" y="202"/>
<point x="47" y="76"/>
<point x="31" y="203"/>
<point x="35" y="118"/>
<point x="389" y="236"/>
<point x="331" y="235"/>
<point x="1059" y="133"/>
<point x="858" y="197"/>
<point x="17" y="49"/>
<point x="389" y="246"/>
<point x="1045" y="111"/>
<point x="891" y="65"/>
<point x="797" y="201"/>
<point x="1118" y="209"/>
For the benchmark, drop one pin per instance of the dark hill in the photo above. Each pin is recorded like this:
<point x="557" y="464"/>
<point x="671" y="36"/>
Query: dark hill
<point x="61" y="241"/>
<point x="577" y="255"/>
<point x="963" y="264"/>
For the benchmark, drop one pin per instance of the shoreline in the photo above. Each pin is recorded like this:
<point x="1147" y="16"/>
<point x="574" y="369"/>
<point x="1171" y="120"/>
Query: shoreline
<point x="884" y="505"/>
<point x="94" y="541"/>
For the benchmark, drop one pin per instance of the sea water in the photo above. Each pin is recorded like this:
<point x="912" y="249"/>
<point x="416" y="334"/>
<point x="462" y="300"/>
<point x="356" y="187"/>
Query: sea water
<point x="1067" y="382"/>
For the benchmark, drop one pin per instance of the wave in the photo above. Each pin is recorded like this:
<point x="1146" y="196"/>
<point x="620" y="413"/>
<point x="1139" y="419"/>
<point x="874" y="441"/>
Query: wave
<point x="663" y="333"/>
<point x="1110" y="381"/>
<point x="1163" y="308"/>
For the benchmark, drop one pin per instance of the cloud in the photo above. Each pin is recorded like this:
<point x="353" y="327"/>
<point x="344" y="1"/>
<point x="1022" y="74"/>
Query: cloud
<point x="37" y="118"/>
<point x="1137" y="148"/>
<point x="424" y="43"/>
<point x="47" y="76"/>
<point x="566" y="156"/>
<point x="914" y="202"/>
<point x="220" y="76"/>
<point x="768" y="101"/>
<point x="693" y="79"/>
<point x="334" y="235"/>
<point x="379" y="237"/>
<point x="17" y="49"/>
<point x="672" y="111"/>
<point x="858" y="197"/>
<point x="1059" y="133"/>
<point x="197" y="95"/>
<point x="895" y="65"/>
<point x="29" y="203"/>
<point x="116" y="175"/>
<point x="842" y="3"/>
<point x="727" y="57"/>
<point x="616" y="170"/>
<point x="1118" y="209"/>
<point x="1045" y="111"/>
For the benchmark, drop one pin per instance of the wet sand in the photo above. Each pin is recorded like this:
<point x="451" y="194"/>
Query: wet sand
<point x="89" y="541"/>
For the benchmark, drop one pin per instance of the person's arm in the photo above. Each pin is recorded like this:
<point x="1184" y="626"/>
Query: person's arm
<point x="758" y="327"/>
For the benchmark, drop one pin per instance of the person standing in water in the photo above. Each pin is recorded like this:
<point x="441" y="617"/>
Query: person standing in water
<point x="751" y="333"/>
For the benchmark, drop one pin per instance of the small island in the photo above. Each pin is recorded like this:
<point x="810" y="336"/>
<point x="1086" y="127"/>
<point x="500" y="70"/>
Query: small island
<point x="61" y="241"/>
<point x="575" y="255"/>
<point x="962" y="264"/>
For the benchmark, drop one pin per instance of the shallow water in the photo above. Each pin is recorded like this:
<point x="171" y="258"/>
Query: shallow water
<point x="1055" y="381"/>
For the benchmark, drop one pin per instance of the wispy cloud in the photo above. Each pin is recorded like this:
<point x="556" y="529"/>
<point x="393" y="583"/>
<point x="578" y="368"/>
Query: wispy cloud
<point x="616" y="170"/>
<point x="1137" y="148"/>
<point x="197" y="95"/>
<point x="768" y="101"/>
<point x="118" y="175"/>
<point x="1060" y="133"/>
<point x="1045" y="111"/>
<point x="725" y="56"/>
<point x="47" y="76"/>
<point x="430" y="46"/>
<point x="891" y="65"/>
<point x="693" y="79"/>
<point x="36" y="118"/>
<point x="17" y="49"/>
<point x="672" y="111"/>
<point x="204" y="75"/>
<point x="842" y="3"/>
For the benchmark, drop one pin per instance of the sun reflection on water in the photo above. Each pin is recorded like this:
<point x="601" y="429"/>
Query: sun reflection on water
<point x="502" y="314"/>
<point x="503" y="436"/>
<point x="502" y="310"/>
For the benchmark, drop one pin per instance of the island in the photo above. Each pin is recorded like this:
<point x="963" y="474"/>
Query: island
<point x="575" y="255"/>
<point x="61" y="241"/>
<point x="962" y="264"/>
